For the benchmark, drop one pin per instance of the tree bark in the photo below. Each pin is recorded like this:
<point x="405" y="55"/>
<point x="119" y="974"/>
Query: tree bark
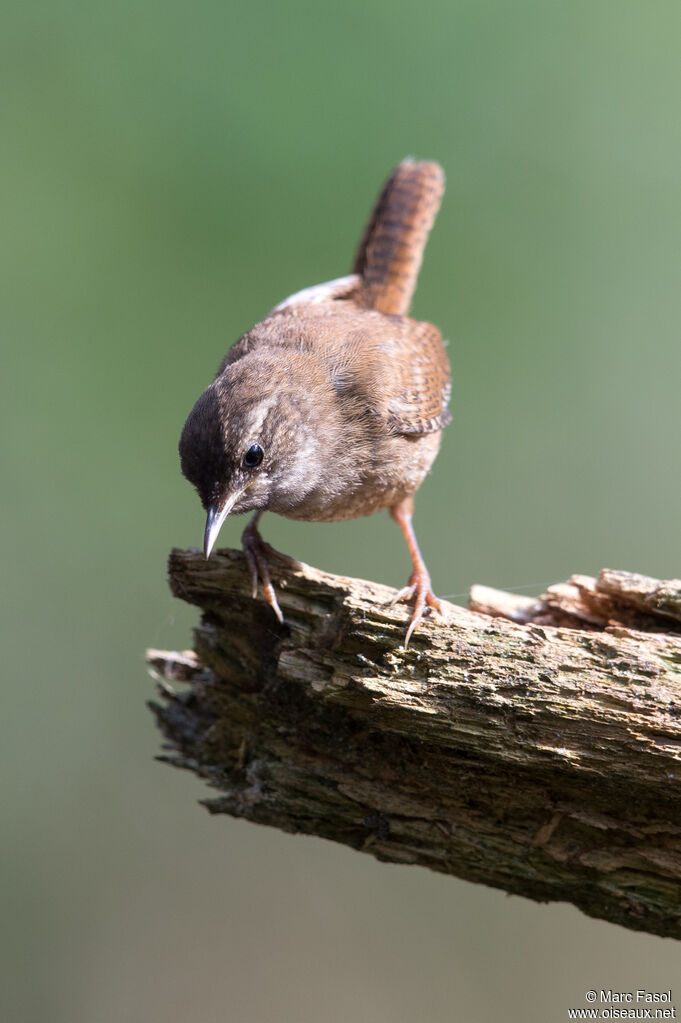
<point x="531" y="745"/>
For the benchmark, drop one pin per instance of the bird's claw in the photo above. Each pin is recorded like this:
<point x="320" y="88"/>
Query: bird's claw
<point x="417" y="592"/>
<point x="256" y="551"/>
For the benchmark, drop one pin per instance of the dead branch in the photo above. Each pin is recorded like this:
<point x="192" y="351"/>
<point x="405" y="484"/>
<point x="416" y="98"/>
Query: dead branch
<point x="529" y="744"/>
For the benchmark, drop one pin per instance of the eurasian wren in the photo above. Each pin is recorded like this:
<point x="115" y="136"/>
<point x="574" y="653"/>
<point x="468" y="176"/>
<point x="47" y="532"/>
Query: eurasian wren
<point x="332" y="406"/>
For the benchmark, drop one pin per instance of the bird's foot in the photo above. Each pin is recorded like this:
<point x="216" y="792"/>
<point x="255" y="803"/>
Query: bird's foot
<point x="418" y="593"/>
<point x="272" y="552"/>
<point x="257" y="552"/>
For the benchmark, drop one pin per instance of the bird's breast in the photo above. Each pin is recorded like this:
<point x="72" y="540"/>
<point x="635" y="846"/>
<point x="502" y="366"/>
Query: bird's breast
<point x="350" y="489"/>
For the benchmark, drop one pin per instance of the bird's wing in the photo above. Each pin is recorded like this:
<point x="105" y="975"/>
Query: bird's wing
<point x="391" y="365"/>
<point x="416" y="383"/>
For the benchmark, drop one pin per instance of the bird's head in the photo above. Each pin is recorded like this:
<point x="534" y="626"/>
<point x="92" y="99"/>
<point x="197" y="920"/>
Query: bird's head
<point x="249" y="443"/>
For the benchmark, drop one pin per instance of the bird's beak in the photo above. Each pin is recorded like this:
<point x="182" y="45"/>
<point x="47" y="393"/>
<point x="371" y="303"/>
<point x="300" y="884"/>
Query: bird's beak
<point x="217" y="513"/>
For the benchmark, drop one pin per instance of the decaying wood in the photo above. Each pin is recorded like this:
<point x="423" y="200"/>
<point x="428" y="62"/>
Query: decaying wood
<point x="529" y="744"/>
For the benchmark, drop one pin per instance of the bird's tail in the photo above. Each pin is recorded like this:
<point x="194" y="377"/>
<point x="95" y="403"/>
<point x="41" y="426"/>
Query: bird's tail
<point x="390" y="253"/>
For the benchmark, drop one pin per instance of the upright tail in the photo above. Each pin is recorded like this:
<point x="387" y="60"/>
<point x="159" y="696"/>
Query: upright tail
<point x="390" y="253"/>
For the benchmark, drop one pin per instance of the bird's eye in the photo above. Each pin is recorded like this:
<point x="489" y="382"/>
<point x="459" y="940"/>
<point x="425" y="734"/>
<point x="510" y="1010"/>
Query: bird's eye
<point x="253" y="457"/>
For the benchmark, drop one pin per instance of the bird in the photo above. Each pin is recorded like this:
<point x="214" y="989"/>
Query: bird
<point x="332" y="407"/>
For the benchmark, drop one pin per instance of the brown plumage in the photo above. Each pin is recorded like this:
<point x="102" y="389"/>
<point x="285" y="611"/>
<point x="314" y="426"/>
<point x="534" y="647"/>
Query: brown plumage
<point x="389" y="255"/>
<point x="331" y="407"/>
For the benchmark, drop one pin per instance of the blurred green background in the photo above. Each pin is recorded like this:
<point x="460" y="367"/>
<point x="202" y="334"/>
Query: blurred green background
<point x="169" y="172"/>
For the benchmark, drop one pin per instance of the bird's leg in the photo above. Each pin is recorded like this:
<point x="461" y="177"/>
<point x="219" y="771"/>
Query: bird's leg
<point x="257" y="551"/>
<point x="417" y="591"/>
